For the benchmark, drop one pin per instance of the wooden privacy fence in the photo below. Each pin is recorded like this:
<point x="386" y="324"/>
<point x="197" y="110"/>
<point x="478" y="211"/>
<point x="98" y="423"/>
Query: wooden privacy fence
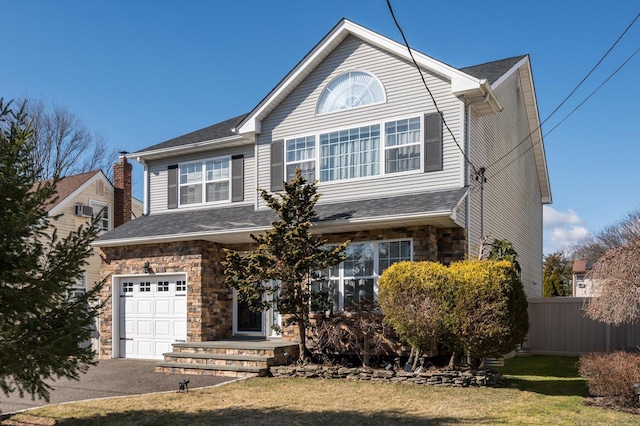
<point x="559" y="327"/>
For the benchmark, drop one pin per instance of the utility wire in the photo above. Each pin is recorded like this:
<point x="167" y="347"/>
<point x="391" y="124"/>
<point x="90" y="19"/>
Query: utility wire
<point x="406" y="43"/>
<point x="574" y="110"/>
<point x="570" y="94"/>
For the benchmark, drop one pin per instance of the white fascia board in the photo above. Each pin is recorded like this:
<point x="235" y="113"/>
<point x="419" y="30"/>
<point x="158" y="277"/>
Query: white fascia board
<point x="513" y="69"/>
<point x="143" y="156"/>
<point x="537" y="139"/>
<point x="460" y="81"/>
<point x="71" y="197"/>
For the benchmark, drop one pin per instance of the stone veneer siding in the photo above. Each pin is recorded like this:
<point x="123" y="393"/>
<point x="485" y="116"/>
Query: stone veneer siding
<point x="210" y="301"/>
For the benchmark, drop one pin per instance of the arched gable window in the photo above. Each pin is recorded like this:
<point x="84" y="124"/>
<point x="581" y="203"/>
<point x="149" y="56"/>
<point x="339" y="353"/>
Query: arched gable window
<point x="350" y="90"/>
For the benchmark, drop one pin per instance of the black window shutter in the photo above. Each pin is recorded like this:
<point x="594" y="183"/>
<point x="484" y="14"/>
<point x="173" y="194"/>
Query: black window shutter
<point x="237" y="178"/>
<point x="433" y="142"/>
<point x="277" y="165"/>
<point x="172" y="187"/>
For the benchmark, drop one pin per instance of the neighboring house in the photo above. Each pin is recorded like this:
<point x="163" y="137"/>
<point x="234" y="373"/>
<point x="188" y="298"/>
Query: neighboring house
<point x="355" y="115"/>
<point x="81" y="197"/>
<point x="582" y="286"/>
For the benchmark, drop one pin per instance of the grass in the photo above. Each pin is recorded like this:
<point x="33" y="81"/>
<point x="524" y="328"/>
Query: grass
<point x="539" y="390"/>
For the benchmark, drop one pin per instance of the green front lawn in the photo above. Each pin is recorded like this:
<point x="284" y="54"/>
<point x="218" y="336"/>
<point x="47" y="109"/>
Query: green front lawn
<point x="539" y="390"/>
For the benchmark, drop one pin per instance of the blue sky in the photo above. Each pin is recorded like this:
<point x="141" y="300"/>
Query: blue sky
<point x="141" y="72"/>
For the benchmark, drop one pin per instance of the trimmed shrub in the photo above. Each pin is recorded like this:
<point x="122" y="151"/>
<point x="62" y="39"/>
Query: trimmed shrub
<point x="487" y="312"/>
<point x="611" y="375"/>
<point x="412" y="298"/>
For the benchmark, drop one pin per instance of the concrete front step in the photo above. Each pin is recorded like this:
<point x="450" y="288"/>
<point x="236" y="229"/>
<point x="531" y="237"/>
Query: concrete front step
<point x="210" y="369"/>
<point x="229" y="358"/>
<point x="262" y="361"/>
<point x="240" y="347"/>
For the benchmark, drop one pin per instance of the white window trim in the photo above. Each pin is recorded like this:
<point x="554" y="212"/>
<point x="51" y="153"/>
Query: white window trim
<point x="204" y="181"/>
<point x="384" y="93"/>
<point x="376" y="268"/>
<point x="383" y="149"/>
<point x="288" y="163"/>
<point x="99" y="205"/>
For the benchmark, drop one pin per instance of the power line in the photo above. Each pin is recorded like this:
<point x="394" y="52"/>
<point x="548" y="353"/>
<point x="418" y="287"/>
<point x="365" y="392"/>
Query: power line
<point x="569" y="95"/>
<point x="572" y="111"/>
<point x="406" y="43"/>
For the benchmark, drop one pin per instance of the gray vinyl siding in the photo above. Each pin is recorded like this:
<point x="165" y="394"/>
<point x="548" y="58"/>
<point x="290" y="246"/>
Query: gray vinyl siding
<point x="158" y="178"/>
<point x="406" y="97"/>
<point x="512" y="200"/>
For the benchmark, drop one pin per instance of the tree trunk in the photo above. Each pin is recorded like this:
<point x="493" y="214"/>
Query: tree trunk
<point x="365" y="351"/>
<point x="302" y="346"/>
<point x="452" y="360"/>
<point x="415" y="360"/>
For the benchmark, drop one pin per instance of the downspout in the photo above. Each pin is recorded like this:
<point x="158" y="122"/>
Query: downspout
<point x="467" y="177"/>
<point x="145" y="187"/>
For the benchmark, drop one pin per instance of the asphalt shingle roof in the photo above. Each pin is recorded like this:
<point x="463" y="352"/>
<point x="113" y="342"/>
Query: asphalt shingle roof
<point x="492" y="71"/>
<point x="65" y="187"/>
<point x="212" y="220"/>
<point x="216" y="131"/>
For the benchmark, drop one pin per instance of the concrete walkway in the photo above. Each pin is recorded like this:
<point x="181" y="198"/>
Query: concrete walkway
<point x="111" y="377"/>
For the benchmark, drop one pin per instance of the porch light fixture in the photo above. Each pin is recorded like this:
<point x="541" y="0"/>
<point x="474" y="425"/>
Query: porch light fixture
<point x="146" y="267"/>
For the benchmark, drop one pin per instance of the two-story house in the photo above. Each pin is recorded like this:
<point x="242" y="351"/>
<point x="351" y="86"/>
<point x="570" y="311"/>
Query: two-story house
<point x="397" y="178"/>
<point x="81" y="197"/>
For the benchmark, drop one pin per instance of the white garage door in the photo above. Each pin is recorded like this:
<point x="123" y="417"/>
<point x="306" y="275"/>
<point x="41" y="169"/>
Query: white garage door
<point x="153" y="315"/>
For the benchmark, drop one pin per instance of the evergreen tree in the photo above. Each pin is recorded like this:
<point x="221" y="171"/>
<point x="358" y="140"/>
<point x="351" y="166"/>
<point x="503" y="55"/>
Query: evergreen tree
<point x="557" y="275"/>
<point x="42" y="327"/>
<point x="284" y="259"/>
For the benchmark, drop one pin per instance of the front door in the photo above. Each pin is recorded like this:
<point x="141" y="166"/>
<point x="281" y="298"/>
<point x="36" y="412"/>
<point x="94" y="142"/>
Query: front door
<point x="247" y="321"/>
<point x="258" y="324"/>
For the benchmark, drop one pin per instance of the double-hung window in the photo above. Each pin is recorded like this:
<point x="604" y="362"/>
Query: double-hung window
<point x="102" y="212"/>
<point x="356" y="278"/>
<point x="402" y="145"/>
<point x="205" y="181"/>
<point x="301" y="154"/>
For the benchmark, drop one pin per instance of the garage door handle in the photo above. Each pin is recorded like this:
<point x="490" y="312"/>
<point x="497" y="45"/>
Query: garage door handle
<point x="124" y="338"/>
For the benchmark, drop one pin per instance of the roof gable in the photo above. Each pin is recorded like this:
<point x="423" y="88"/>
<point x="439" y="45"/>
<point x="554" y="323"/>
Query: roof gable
<point x="65" y="187"/>
<point x="461" y="82"/>
<point x="69" y="187"/>
<point x="492" y="71"/>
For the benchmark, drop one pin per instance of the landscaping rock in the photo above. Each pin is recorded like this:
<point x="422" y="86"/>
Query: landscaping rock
<point x="448" y="378"/>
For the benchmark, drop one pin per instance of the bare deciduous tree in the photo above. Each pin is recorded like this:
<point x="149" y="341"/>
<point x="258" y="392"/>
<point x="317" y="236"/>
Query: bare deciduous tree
<point x="594" y="247"/>
<point x="616" y="278"/>
<point x="64" y="145"/>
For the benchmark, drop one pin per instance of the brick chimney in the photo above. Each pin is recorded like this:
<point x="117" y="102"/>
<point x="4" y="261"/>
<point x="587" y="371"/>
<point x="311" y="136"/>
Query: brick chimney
<point x="122" y="192"/>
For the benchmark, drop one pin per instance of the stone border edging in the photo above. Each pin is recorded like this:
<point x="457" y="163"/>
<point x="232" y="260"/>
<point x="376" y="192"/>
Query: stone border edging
<point x="452" y="378"/>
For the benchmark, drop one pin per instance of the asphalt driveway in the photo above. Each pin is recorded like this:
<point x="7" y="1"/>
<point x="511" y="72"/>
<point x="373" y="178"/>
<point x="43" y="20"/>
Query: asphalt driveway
<point x="111" y="377"/>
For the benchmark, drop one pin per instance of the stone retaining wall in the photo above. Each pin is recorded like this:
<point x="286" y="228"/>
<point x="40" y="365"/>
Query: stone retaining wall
<point x="452" y="378"/>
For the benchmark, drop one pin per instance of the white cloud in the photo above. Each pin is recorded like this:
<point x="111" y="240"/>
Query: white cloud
<point x="553" y="217"/>
<point x="561" y="229"/>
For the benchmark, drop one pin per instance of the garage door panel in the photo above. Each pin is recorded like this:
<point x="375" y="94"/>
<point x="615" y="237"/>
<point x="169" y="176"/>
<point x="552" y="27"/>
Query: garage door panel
<point x="163" y="329"/>
<point x="163" y="307"/>
<point x="144" y="306"/>
<point x="180" y="328"/>
<point x="152" y="317"/>
<point x="144" y="348"/>
<point x="180" y="305"/>
<point x="145" y="328"/>
<point x="129" y="305"/>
